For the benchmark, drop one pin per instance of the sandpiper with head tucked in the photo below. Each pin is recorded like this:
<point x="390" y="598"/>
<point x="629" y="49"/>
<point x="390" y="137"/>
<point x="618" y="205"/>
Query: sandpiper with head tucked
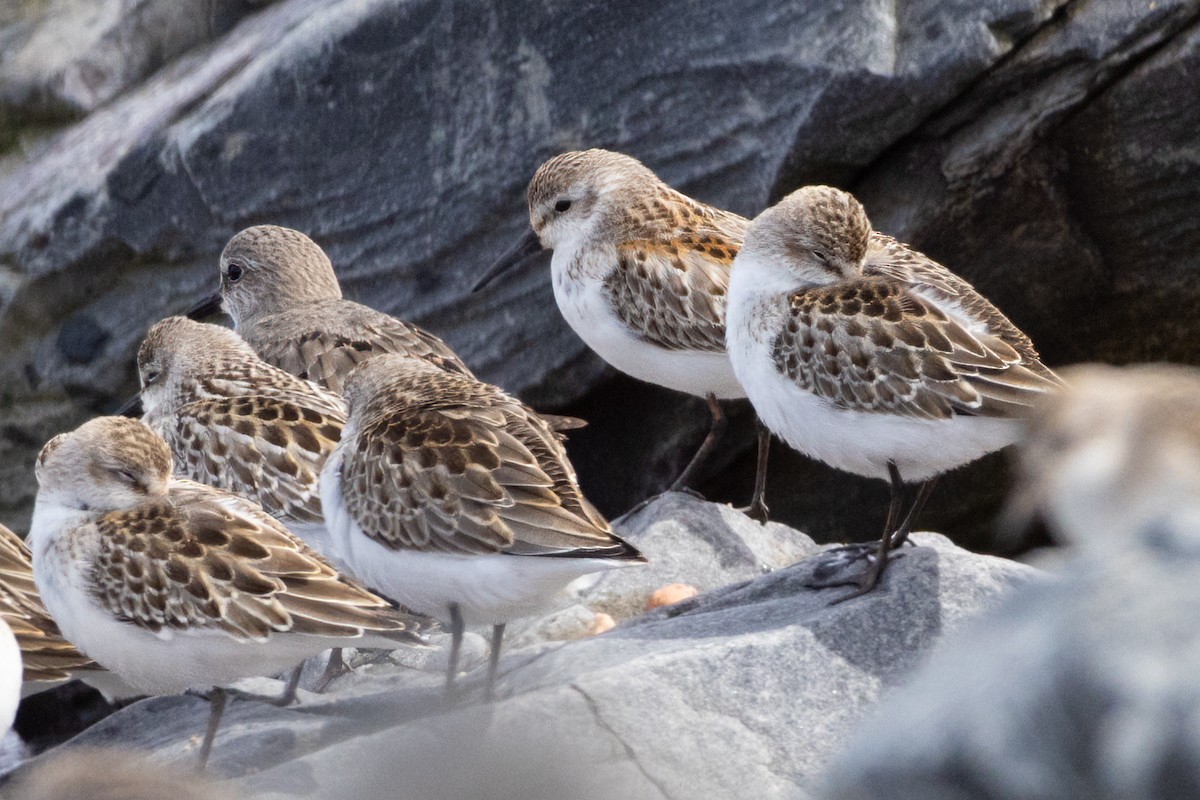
<point x="1113" y="461"/>
<point x="862" y="353"/>
<point x="640" y="273"/>
<point x="458" y="500"/>
<point x="175" y="585"/>
<point x="237" y="423"/>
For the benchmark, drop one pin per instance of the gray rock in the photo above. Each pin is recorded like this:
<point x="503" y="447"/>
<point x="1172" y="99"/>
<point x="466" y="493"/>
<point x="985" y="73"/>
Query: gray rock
<point x="400" y="134"/>
<point x="745" y="690"/>
<point x="1082" y="686"/>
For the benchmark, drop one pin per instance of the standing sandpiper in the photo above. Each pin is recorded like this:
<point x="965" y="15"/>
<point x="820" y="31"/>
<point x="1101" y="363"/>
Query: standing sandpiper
<point x="640" y="273"/>
<point x="860" y="352"/>
<point x="458" y="500"/>
<point x="175" y="585"/>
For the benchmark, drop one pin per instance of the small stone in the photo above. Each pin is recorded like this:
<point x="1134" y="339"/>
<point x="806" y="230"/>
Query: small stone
<point x="670" y="594"/>
<point x="602" y="622"/>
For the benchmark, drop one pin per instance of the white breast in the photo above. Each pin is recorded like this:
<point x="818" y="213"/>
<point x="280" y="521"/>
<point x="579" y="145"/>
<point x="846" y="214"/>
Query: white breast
<point x="586" y="306"/>
<point x="854" y="441"/>
<point x="488" y="589"/>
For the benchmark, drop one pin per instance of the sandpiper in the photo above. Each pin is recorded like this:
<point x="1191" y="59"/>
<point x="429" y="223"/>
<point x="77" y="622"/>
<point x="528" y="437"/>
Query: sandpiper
<point x="47" y="656"/>
<point x="458" y="500"/>
<point x="237" y="423"/>
<point x="640" y="272"/>
<point x="279" y="287"/>
<point x="861" y="352"/>
<point x="176" y="585"/>
<point x="1113" y="461"/>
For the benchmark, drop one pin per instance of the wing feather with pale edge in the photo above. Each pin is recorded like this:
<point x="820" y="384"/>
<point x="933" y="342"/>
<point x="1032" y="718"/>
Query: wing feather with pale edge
<point x="875" y="345"/>
<point x="468" y="470"/>
<point x="46" y="655"/>
<point x="269" y="448"/>
<point x="206" y="559"/>
<point x="672" y="273"/>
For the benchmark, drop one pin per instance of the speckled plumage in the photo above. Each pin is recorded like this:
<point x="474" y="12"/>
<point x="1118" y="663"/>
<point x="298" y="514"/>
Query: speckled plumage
<point x="447" y="491"/>
<point x="865" y="325"/>
<point x="288" y="306"/>
<point x="172" y="584"/>
<point x="235" y="422"/>
<point x="46" y="655"/>
<point x="656" y="260"/>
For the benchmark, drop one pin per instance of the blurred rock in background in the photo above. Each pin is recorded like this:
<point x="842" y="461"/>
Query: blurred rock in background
<point x="1044" y="149"/>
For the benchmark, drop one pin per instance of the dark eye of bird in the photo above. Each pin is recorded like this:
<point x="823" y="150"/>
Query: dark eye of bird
<point x="820" y="256"/>
<point x="234" y="273"/>
<point x="562" y="205"/>
<point x="151" y="377"/>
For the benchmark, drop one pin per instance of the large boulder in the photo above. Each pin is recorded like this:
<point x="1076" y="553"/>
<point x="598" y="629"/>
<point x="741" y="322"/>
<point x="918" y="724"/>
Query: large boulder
<point x="1007" y="137"/>
<point x="749" y="689"/>
<point x="1085" y="686"/>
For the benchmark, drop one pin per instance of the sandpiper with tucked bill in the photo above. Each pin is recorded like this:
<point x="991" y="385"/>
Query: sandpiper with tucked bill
<point x="865" y="354"/>
<point x="640" y="273"/>
<point x="458" y="500"/>
<point x="174" y="585"/>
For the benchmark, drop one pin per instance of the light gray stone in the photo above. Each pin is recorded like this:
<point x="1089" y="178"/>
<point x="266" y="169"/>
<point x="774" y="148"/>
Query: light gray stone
<point x="746" y="690"/>
<point x="1084" y="685"/>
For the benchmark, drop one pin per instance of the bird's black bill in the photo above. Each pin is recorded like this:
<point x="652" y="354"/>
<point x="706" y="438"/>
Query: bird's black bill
<point x="206" y="308"/>
<point x="131" y="407"/>
<point x="528" y="245"/>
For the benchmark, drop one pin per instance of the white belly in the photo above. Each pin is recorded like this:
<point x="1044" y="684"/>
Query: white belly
<point x="857" y="441"/>
<point x="586" y="307"/>
<point x="489" y="589"/>
<point x="10" y="678"/>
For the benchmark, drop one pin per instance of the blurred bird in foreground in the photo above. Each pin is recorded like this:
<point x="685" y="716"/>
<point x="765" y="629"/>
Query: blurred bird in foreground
<point x="1113" y="461"/>
<point x="108" y="774"/>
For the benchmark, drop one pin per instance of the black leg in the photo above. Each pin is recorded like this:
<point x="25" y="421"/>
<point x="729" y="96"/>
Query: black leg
<point x="710" y="441"/>
<point x="905" y="528"/>
<point x="494" y="659"/>
<point x="758" y="503"/>
<point x="456" y="636"/>
<point x="216" y="708"/>
<point x="897" y="497"/>
<point x="285" y="699"/>
<point x="335" y="668"/>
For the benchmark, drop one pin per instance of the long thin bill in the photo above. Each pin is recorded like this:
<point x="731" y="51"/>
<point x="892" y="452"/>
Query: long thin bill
<point x="527" y="246"/>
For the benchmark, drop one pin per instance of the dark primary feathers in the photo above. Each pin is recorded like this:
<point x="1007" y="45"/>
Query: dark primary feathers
<point x="205" y="559"/>
<point x="442" y="463"/>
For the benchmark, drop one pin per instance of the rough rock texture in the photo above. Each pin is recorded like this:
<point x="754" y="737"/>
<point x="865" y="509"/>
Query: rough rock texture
<point x="1043" y="148"/>
<point x="748" y="688"/>
<point x="1081" y="687"/>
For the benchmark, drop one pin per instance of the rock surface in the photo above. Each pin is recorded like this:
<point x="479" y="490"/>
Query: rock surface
<point x="1084" y="686"/>
<point x="751" y="687"/>
<point x="1043" y="148"/>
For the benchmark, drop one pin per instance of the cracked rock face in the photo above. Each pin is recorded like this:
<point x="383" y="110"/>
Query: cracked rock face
<point x="751" y="687"/>
<point x="1044" y="149"/>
